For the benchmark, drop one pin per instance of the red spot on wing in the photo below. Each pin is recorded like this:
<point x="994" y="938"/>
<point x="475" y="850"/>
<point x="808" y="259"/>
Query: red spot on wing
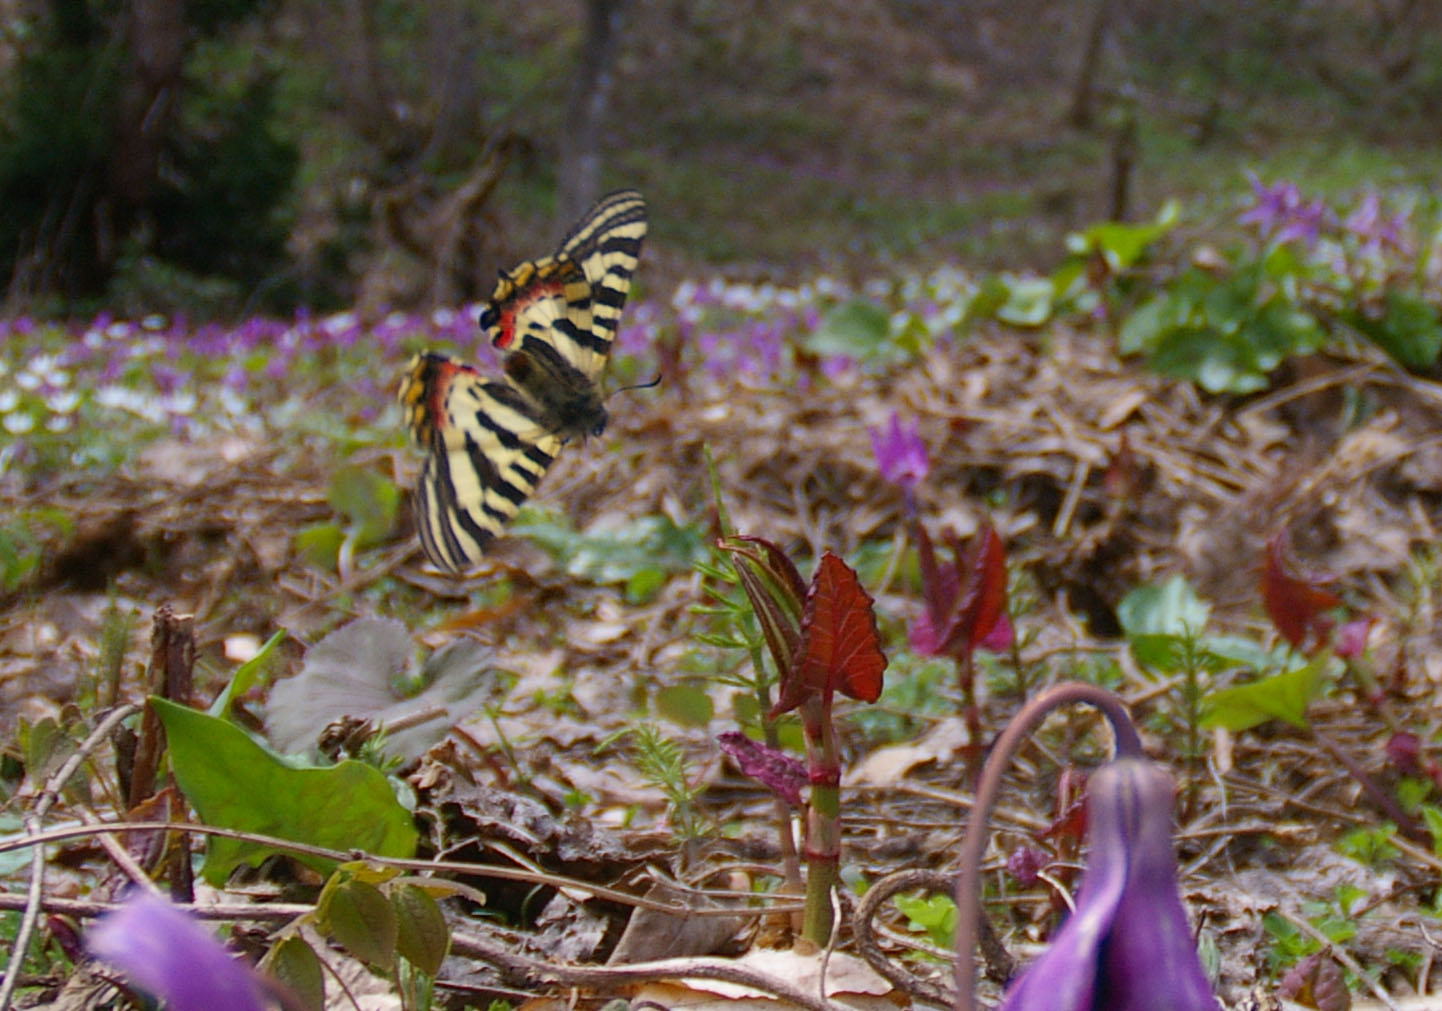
<point x="840" y="648"/>
<point x="521" y="298"/>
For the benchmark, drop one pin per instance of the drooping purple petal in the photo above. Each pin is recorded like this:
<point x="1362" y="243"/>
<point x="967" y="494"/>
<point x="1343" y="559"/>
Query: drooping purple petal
<point x="1128" y="946"/>
<point x="170" y="955"/>
<point x="1150" y="961"/>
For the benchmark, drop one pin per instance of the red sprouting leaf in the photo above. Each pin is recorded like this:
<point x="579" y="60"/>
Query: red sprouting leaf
<point x="776" y="592"/>
<point x="1297" y="606"/>
<point x="840" y="647"/>
<point x="984" y="601"/>
<point x="966" y="601"/>
<point x="1316" y="981"/>
<point x="775" y="770"/>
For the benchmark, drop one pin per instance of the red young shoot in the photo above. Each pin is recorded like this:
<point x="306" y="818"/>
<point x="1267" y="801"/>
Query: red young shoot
<point x="1299" y="606"/>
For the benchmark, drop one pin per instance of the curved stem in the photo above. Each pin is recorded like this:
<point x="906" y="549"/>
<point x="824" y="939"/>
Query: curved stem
<point x="968" y="883"/>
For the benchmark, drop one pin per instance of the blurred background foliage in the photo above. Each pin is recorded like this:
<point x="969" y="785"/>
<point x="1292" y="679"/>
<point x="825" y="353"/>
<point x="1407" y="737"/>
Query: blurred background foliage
<point x="228" y="157"/>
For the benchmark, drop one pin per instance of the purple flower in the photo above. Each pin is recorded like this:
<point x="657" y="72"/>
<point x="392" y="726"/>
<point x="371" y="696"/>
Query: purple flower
<point x="1374" y="232"/>
<point x="1280" y="213"/>
<point x="1026" y="864"/>
<point x="900" y="453"/>
<point x="1128" y="946"/>
<point x="170" y="955"/>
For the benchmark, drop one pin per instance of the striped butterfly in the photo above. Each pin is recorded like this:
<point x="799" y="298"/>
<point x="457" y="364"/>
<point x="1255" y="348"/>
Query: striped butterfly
<point x="488" y="442"/>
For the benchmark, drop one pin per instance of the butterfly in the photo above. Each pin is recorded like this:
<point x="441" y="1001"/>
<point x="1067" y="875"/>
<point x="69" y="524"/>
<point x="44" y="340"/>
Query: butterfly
<point x="490" y="441"/>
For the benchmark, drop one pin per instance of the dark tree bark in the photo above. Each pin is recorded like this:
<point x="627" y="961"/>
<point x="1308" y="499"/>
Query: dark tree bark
<point x="1084" y="93"/>
<point x="155" y="47"/>
<point x="580" y="170"/>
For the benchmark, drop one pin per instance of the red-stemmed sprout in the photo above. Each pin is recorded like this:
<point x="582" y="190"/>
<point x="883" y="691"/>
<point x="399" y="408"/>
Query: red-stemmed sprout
<point x="824" y="640"/>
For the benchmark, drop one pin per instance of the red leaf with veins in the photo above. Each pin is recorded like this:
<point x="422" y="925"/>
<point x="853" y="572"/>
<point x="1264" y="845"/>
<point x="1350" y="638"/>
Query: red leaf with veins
<point x="840" y="647"/>
<point x="984" y="602"/>
<point x="1297" y="606"/>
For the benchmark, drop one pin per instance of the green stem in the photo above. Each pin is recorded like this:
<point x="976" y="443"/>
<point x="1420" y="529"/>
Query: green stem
<point x="823" y="819"/>
<point x="968" y="884"/>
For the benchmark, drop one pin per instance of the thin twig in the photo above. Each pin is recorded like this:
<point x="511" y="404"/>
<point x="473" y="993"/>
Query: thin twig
<point x="536" y="971"/>
<point x="48" y="795"/>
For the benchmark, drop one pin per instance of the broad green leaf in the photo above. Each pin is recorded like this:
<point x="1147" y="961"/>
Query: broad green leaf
<point x="246" y="676"/>
<point x="422" y="936"/>
<point x="233" y="782"/>
<point x="641" y="554"/>
<point x="1408" y="330"/>
<point x="1029" y="301"/>
<point x="362" y="919"/>
<point x="1282" y="696"/>
<point x="1168" y="608"/>
<point x="858" y="329"/>
<point x="687" y="704"/>
<point x="369" y="500"/>
<point x="320" y="544"/>
<point x="296" y="964"/>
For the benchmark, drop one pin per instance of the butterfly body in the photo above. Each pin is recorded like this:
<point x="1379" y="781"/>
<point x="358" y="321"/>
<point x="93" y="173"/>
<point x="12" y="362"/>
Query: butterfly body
<point x="488" y="442"/>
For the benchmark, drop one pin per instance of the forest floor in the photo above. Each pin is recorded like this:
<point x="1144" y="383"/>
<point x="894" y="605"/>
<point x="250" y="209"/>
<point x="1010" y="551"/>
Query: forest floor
<point x="1100" y="478"/>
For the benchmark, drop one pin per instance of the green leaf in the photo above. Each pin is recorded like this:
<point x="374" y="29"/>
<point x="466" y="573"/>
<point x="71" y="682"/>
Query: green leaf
<point x="320" y="544"/>
<point x="368" y="500"/>
<point x="233" y="782"/>
<point x="360" y="917"/>
<point x="687" y="704"/>
<point x="1433" y="817"/>
<point x="1408" y="330"/>
<point x="1124" y="244"/>
<point x="1169" y="608"/>
<point x="935" y="914"/>
<point x="1282" y="696"/>
<point x="295" y="963"/>
<point x="640" y="554"/>
<point x="858" y="329"/>
<point x="1028" y="303"/>
<point x="246" y="676"/>
<point x="422" y="936"/>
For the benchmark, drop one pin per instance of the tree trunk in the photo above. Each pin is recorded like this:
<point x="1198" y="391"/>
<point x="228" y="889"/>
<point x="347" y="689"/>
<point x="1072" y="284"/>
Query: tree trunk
<point x="580" y="170"/>
<point x="155" y="44"/>
<point x="1084" y="94"/>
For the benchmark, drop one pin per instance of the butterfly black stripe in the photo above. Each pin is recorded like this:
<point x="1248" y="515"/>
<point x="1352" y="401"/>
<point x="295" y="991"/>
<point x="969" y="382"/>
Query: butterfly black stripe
<point x="489" y="443"/>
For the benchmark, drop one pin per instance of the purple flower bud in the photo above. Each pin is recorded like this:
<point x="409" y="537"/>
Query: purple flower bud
<point x="1128" y="946"/>
<point x="900" y="453"/>
<point x="170" y="955"/>
<point x="1025" y="864"/>
<point x="778" y="772"/>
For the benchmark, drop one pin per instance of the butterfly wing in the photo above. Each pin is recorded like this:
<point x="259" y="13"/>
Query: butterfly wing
<point x="485" y="455"/>
<point x="572" y="301"/>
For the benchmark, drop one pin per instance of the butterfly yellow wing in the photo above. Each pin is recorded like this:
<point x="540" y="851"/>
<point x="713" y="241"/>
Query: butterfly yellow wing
<point x="485" y="454"/>
<point x="573" y="300"/>
<point x="489" y="443"/>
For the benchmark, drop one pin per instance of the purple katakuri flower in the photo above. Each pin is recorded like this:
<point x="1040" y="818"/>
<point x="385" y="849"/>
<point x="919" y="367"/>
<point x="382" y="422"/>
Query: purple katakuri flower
<point x="1128" y="946"/>
<point x="170" y="955"/>
<point x="900" y="453"/>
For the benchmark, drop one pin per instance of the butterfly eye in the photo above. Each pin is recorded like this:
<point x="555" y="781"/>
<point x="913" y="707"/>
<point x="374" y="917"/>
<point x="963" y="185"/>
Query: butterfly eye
<point x="600" y="429"/>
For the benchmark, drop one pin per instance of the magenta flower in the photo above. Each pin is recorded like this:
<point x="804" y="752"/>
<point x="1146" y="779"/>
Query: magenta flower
<point x="1128" y="946"/>
<point x="1279" y="212"/>
<point x="170" y="955"/>
<point x="900" y="453"/>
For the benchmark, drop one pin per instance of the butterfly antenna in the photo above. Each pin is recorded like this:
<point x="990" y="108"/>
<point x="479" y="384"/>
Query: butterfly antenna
<point x="641" y="386"/>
